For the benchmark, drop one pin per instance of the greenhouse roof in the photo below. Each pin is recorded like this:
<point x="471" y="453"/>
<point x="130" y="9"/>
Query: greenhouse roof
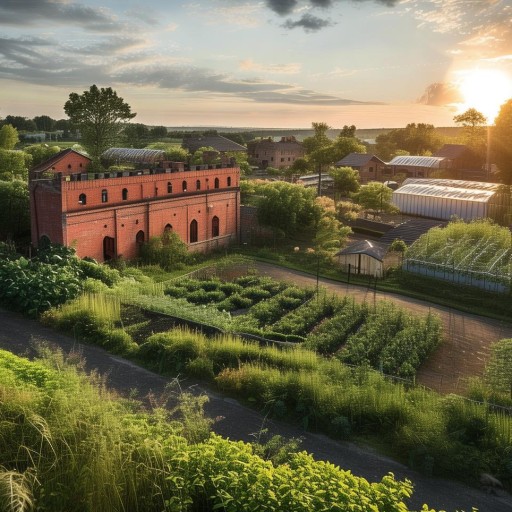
<point x="417" y="161"/>
<point x="475" y="191"/>
<point x="137" y="156"/>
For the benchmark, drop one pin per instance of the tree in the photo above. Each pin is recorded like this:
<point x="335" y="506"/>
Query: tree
<point x="375" y="196"/>
<point x="136" y="135"/>
<point x="300" y="166"/>
<point x="348" y="131"/>
<point x="20" y="123"/>
<point x="417" y="139"/>
<point x="8" y="137"/>
<point x="100" y="115"/>
<point x="45" y="123"/>
<point x="173" y="153"/>
<point x="346" y="180"/>
<point x="205" y="155"/>
<point x="14" y="164"/>
<point x="285" y="207"/>
<point x="41" y="152"/>
<point x="158" y="132"/>
<point x="500" y="141"/>
<point x="14" y="209"/>
<point x="474" y="132"/>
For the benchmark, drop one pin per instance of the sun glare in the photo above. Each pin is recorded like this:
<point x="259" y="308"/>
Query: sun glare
<point x="484" y="89"/>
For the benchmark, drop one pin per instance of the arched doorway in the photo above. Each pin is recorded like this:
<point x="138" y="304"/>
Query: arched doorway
<point x="193" y="231"/>
<point x="109" y="248"/>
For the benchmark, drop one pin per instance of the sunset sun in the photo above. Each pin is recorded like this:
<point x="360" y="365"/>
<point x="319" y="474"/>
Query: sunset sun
<point x="485" y="90"/>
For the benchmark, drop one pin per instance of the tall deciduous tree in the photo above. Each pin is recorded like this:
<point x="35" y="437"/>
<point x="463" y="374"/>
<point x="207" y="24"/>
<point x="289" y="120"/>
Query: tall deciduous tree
<point x="346" y="180"/>
<point x="14" y="165"/>
<point x="375" y="196"/>
<point x="474" y="133"/>
<point x="45" y="123"/>
<point x="14" y="209"/>
<point x="285" y="207"/>
<point x="100" y="115"/>
<point x="501" y="142"/>
<point x="8" y="137"/>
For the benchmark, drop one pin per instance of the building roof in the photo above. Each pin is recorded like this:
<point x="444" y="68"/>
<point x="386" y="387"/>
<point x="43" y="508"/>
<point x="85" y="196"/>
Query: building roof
<point x="370" y="248"/>
<point x="432" y="162"/>
<point x="217" y="142"/>
<point x="410" y="230"/>
<point x="135" y="156"/>
<point x="312" y="179"/>
<point x="358" y="160"/>
<point x="475" y="191"/>
<point x="48" y="164"/>
<point x="452" y="151"/>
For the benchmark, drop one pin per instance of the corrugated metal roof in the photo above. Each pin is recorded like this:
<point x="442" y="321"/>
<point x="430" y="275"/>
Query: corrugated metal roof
<point x="475" y="191"/>
<point x="432" y="162"/>
<point x="138" y="156"/>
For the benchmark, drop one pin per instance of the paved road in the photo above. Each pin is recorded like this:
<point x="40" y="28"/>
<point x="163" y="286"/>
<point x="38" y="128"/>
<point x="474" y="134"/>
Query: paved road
<point x="19" y="335"/>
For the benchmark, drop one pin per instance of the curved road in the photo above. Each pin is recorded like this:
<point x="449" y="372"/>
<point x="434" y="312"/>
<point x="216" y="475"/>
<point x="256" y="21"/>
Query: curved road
<point x="21" y="335"/>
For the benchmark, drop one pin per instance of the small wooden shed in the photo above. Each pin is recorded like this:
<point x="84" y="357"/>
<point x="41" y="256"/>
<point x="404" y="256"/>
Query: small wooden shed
<point x="363" y="257"/>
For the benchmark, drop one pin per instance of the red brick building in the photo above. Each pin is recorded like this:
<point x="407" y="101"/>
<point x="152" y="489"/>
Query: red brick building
<point x="280" y="155"/>
<point x="109" y="215"/>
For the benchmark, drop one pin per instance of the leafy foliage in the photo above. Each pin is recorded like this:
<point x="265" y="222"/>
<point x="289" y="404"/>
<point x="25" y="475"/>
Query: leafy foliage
<point x="100" y="114"/>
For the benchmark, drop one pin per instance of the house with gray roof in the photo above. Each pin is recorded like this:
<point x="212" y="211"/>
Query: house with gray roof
<point x="419" y="166"/>
<point x="369" y="167"/>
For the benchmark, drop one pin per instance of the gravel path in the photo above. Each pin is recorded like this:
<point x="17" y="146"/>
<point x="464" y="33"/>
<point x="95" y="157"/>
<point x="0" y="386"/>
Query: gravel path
<point x="238" y="422"/>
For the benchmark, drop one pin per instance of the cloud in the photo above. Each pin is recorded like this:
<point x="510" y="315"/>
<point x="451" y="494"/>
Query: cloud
<point x="30" y="12"/>
<point x="308" y="22"/>
<point x="441" y="94"/>
<point x="286" y="7"/>
<point x="287" y="69"/>
<point x="484" y="27"/>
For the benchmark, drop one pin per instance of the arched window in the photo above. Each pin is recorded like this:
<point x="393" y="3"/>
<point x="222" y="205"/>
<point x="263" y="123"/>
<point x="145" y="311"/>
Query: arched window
<point x="109" y="248"/>
<point x="125" y="194"/>
<point x="82" y="199"/>
<point x="184" y="186"/>
<point x="215" y="226"/>
<point x="104" y="195"/>
<point x="168" y="228"/>
<point x="139" y="238"/>
<point x="198" y="184"/>
<point x="169" y="187"/>
<point x="193" y="231"/>
<point x="229" y="181"/>
<point x="216" y="183"/>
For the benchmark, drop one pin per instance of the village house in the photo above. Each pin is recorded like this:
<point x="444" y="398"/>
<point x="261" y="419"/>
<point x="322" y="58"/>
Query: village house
<point x="268" y="153"/>
<point x="369" y="167"/>
<point x="465" y="164"/>
<point x="109" y="215"/>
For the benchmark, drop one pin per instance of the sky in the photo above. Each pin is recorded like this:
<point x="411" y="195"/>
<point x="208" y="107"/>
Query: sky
<point x="261" y="63"/>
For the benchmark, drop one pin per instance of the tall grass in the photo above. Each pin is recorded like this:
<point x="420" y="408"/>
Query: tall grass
<point x="67" y="444"/>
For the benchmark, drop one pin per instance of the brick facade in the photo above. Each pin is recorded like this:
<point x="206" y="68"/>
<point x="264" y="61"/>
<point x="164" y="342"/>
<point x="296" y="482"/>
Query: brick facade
<point x="267" y="153"/>
<point x="106" y="217"/>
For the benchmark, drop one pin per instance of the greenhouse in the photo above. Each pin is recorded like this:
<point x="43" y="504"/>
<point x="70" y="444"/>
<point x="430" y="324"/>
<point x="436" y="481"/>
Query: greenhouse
<point x="444" y="199"/>
<point x="478" y="253"/>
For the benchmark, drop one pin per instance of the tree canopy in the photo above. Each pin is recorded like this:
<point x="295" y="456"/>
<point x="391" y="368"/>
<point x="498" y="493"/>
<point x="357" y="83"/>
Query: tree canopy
<point x="14" y="209"/>
<point x="474" y="131"/>
<point x="500" y="142"/>
<point x="417" y="139"/>
<point x="100" y="115"/>
<point x="346" y="180"/>
<point x="285" y="207"/>
<point x="375" y="196"/>
<point x="8" y="137"/>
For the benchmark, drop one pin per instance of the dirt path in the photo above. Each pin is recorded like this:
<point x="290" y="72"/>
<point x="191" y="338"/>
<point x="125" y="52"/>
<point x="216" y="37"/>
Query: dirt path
<point x="467" y="337"/>
<point x="19" y="334"/>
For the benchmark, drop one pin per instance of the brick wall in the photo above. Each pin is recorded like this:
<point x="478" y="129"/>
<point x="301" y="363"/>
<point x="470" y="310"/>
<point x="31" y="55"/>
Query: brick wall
<point x="136" y="205"/>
